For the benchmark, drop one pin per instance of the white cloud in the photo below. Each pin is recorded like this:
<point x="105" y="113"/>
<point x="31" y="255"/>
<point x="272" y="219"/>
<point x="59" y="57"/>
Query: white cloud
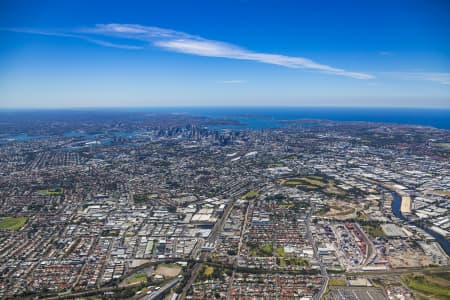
<point x="181" y="42"/>
<point x="190" y="44"/>
<point x="443" y="78"/>
<point x="109" y="44"/>
<point x="224" y="50"/>
<point x="438" y="77"/>
<point x="76" y="36"/>
<point x="232" y="81"/>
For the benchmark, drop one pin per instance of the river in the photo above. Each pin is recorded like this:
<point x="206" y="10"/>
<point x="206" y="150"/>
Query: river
<point x="396" y="210"/>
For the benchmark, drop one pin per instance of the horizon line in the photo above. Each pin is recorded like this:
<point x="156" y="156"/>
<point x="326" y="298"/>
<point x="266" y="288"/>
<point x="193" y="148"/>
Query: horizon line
<point x="217" y="107"/>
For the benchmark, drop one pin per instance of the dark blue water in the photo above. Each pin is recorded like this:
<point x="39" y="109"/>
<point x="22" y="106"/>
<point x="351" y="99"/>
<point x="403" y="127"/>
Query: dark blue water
<point x="439" y="118"/>
<point x="246" y="117"/>
<point x="439" y="238"/>
<point x="271" y="117"/>
<point x="267" y="117"/>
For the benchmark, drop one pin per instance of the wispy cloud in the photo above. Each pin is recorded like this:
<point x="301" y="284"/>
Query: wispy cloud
<point x="386" y="53"/>
<point x="191" y="44"/>
<point x="438" y="77"/>
<point x="232" y="81"/>
<point x="76" y="36"/>
<point x="134" y="37"/>
<point x="181" y="42"/>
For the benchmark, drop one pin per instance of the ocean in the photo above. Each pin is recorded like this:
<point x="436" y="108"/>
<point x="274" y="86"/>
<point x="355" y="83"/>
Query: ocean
<point x="268" y="117"/>
<point x="248" y="117"/>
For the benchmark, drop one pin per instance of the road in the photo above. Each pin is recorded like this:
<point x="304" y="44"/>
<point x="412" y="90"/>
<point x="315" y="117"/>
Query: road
<point x="399" y="271"/>
<point x="219" y="225"/>
<point x="250" y="204"/>
<point x="203" y="256"/>
<point x="159" y="293"/>
<point x="370" y="250"/>
<point x="323" y="269"/>
<point x="192" y="277"/>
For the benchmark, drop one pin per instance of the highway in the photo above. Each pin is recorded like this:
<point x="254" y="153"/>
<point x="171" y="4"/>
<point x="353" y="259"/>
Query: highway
<point x="323" y="269"/>
<point x="398" y="271"/>
<point x="370" y="249"/>
<point x="159" y="293"/>
<point x="211" y="239"/>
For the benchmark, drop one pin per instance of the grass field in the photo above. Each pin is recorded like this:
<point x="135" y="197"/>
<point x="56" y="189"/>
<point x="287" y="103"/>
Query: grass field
<point x="338" y="209"/>
<point x="432" y="286"/>
<point x="138" y="198"/>
<point x="291" y="261"/>
<point x="250" y="195"/>
<point x="209" y="271"/>
<point x="337" y="282"/>
<point x="276" y="165"/>
<point x="332" y="189"/>
<point x="307" y="181"/>
<point x="137" y="278"/>
<point x="12" y="223"/>
<point x="313" y="183"/>
<point x="286" y="206"/>
<point x="261" y="251"/>
<point x="375" y="231"/>
<point x="168" y="270"/>
<point x="267" y="250"/>
<point x="279" y="251"/>
<point x="52" y="191"/>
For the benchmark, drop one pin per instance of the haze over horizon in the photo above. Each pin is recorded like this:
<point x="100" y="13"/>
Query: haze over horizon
<point x="224" y="53"/>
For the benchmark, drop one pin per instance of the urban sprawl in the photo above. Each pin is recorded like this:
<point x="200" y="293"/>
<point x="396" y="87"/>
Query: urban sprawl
<point x="177" y="207"/>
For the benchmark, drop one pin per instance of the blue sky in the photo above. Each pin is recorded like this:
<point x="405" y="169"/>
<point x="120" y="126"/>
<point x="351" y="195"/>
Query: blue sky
<point x="221" y="53"/>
